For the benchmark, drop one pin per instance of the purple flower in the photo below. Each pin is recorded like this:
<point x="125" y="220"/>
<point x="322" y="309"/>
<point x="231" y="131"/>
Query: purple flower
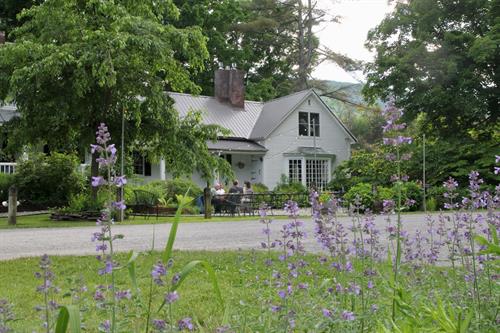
<point x="347" y="315"/>
<point x="121" y="294"/>
<point x="105" y="326"/>
<point x="370" y="284"/>
<point x="95" y="148"/>
<point x="327" y="313"/>
<point x="282" y="294"/>
<point x="108" y="268"/>
<point x="119" y="181"/>
<point x="103" y="135"/>
<point x="171" y="297"/>
<point x="101" y="247"/>
<point x="275" y="308"/>
<point x="292" y="208"/>
<point x="185" y="324"/>
<point x="159" y="324"/>
<point x="98" y="181"/>
<point x="99" y="296"/>
<point x="120" y="205"/>
<point x="158" y="271"/>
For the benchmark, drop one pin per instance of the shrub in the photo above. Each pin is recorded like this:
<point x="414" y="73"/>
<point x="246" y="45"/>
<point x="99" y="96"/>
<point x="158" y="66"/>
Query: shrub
<point x="412" y="191"/>
<point x="49" y="180"/>
<point x="83" y="202"/>
<point x="6" y="181"/>
<point x="431" y="204"/>
<point x="260" y="188"/>
<point x="287" y="186"/>
<point x="365" y="193"/>
<point x="180" y="186"/>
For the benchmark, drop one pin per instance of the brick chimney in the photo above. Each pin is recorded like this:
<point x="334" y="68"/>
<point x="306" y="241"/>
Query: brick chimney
<point x="2" y="37"/>
<point x="229" y="86"/>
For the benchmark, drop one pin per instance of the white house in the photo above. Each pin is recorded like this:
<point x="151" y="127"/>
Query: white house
<point x="295" y="135"/>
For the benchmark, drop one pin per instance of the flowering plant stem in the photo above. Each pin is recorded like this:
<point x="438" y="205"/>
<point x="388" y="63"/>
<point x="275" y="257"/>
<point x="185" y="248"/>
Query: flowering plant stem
<point x="398" y="235"/>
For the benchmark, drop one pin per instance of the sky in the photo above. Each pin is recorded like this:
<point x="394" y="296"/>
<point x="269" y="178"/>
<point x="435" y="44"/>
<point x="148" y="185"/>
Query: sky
<point x="348" y="36"/>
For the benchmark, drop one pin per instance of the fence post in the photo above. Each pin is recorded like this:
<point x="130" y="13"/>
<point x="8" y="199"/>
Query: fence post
<point x="12" y="205"/>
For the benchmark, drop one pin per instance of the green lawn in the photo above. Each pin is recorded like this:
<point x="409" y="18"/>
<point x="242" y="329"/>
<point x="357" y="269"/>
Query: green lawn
<point x="248" y="298"/>
<point x="43" y="221"/>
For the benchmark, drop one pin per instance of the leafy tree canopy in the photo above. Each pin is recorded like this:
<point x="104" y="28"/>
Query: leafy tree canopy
<point x="440" y="57"/>
<point x="76" y="63"/>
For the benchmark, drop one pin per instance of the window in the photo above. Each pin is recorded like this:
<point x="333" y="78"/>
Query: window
<point x="308" y="124"/>
<point x="141" y="165"/>
<point x="295" y="170"/>
<point x="317" y="173"/>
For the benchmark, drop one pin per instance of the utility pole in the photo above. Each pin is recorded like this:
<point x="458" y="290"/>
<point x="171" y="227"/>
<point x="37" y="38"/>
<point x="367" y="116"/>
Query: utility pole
<point x="423" y="174"/>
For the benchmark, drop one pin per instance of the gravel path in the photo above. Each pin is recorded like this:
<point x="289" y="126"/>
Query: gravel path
<point x="190" y="236"/>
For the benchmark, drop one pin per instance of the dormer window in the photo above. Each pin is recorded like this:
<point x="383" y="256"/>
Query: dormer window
<point x="308" y="124"/>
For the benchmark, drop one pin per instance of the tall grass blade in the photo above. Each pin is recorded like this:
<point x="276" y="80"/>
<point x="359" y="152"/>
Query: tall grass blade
<point x="188" y="269"/>
<point x="131" y="265"/>
<point x="183" y="201"/>
<point x="69" y="316"/>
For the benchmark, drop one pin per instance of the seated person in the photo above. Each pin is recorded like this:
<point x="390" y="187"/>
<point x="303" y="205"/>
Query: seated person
<point x="218" y="198"/>
<point x="236" y="188"/>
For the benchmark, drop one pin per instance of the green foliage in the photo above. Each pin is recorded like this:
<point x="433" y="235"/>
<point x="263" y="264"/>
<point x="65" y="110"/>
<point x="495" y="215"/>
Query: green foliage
<point x="58" y="52"/>
<point x="411" y="191"/>
<point x="490" y="247"/>
<point x="286" y="186"/>
<point x="6" y="180"/>
<point x="162" y="191"/>
<point x="69" y="317"/>
<point x="260" y="188"/>
<point x="181" y="186"/>
<point x="440" y="58"/>
<point x="363" y="167"/>
<point x="48" y="180"/>
<point x="83" y="202"/>
<point x="455" y="158"/>
<point x="364" y="192"/>
<point x="431" y="204"/>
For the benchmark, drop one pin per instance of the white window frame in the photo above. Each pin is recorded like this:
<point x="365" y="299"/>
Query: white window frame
<point x="309" y="124"/>
<point x="304" y="167"/>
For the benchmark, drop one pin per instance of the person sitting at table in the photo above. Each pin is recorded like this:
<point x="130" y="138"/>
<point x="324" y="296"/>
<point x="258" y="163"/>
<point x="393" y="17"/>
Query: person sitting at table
<point x="236" y="189"/>
<point x="218" y="198"/>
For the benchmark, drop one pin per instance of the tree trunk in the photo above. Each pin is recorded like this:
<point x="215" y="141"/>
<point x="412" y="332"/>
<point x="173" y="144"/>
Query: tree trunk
<point x="207" y="201"/>
<point x="302" y="74"/>
<point x="12" y="205"/>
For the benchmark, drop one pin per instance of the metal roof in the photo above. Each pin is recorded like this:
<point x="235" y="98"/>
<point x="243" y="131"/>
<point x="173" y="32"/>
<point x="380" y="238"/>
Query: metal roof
<point x="239" y="121"/>
<point x="236" y="146"/>
<point x="275" y="111"/>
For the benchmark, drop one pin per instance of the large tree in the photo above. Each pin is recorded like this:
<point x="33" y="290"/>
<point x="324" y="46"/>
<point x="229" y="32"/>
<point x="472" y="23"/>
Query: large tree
<point x="76" y="63"/>
<point x="441" y="58"/>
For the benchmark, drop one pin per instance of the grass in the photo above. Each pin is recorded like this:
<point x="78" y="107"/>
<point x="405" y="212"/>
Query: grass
<point x="44" y="221"/>
<point x="241" y="276"/>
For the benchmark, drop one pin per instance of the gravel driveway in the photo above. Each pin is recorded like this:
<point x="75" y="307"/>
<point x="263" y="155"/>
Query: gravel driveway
<point x="190" y="236"/>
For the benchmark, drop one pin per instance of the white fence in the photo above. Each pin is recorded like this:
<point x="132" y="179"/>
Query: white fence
<point x="10" y="167"/>
<point x="7" y="167"/>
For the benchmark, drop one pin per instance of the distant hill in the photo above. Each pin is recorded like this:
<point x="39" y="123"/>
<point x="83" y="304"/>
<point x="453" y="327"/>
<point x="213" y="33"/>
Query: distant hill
<point x="344" y="98"/>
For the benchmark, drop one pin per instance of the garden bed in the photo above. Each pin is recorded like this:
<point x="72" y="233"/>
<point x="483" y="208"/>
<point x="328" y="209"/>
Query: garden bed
<point x="83" y="216"/>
